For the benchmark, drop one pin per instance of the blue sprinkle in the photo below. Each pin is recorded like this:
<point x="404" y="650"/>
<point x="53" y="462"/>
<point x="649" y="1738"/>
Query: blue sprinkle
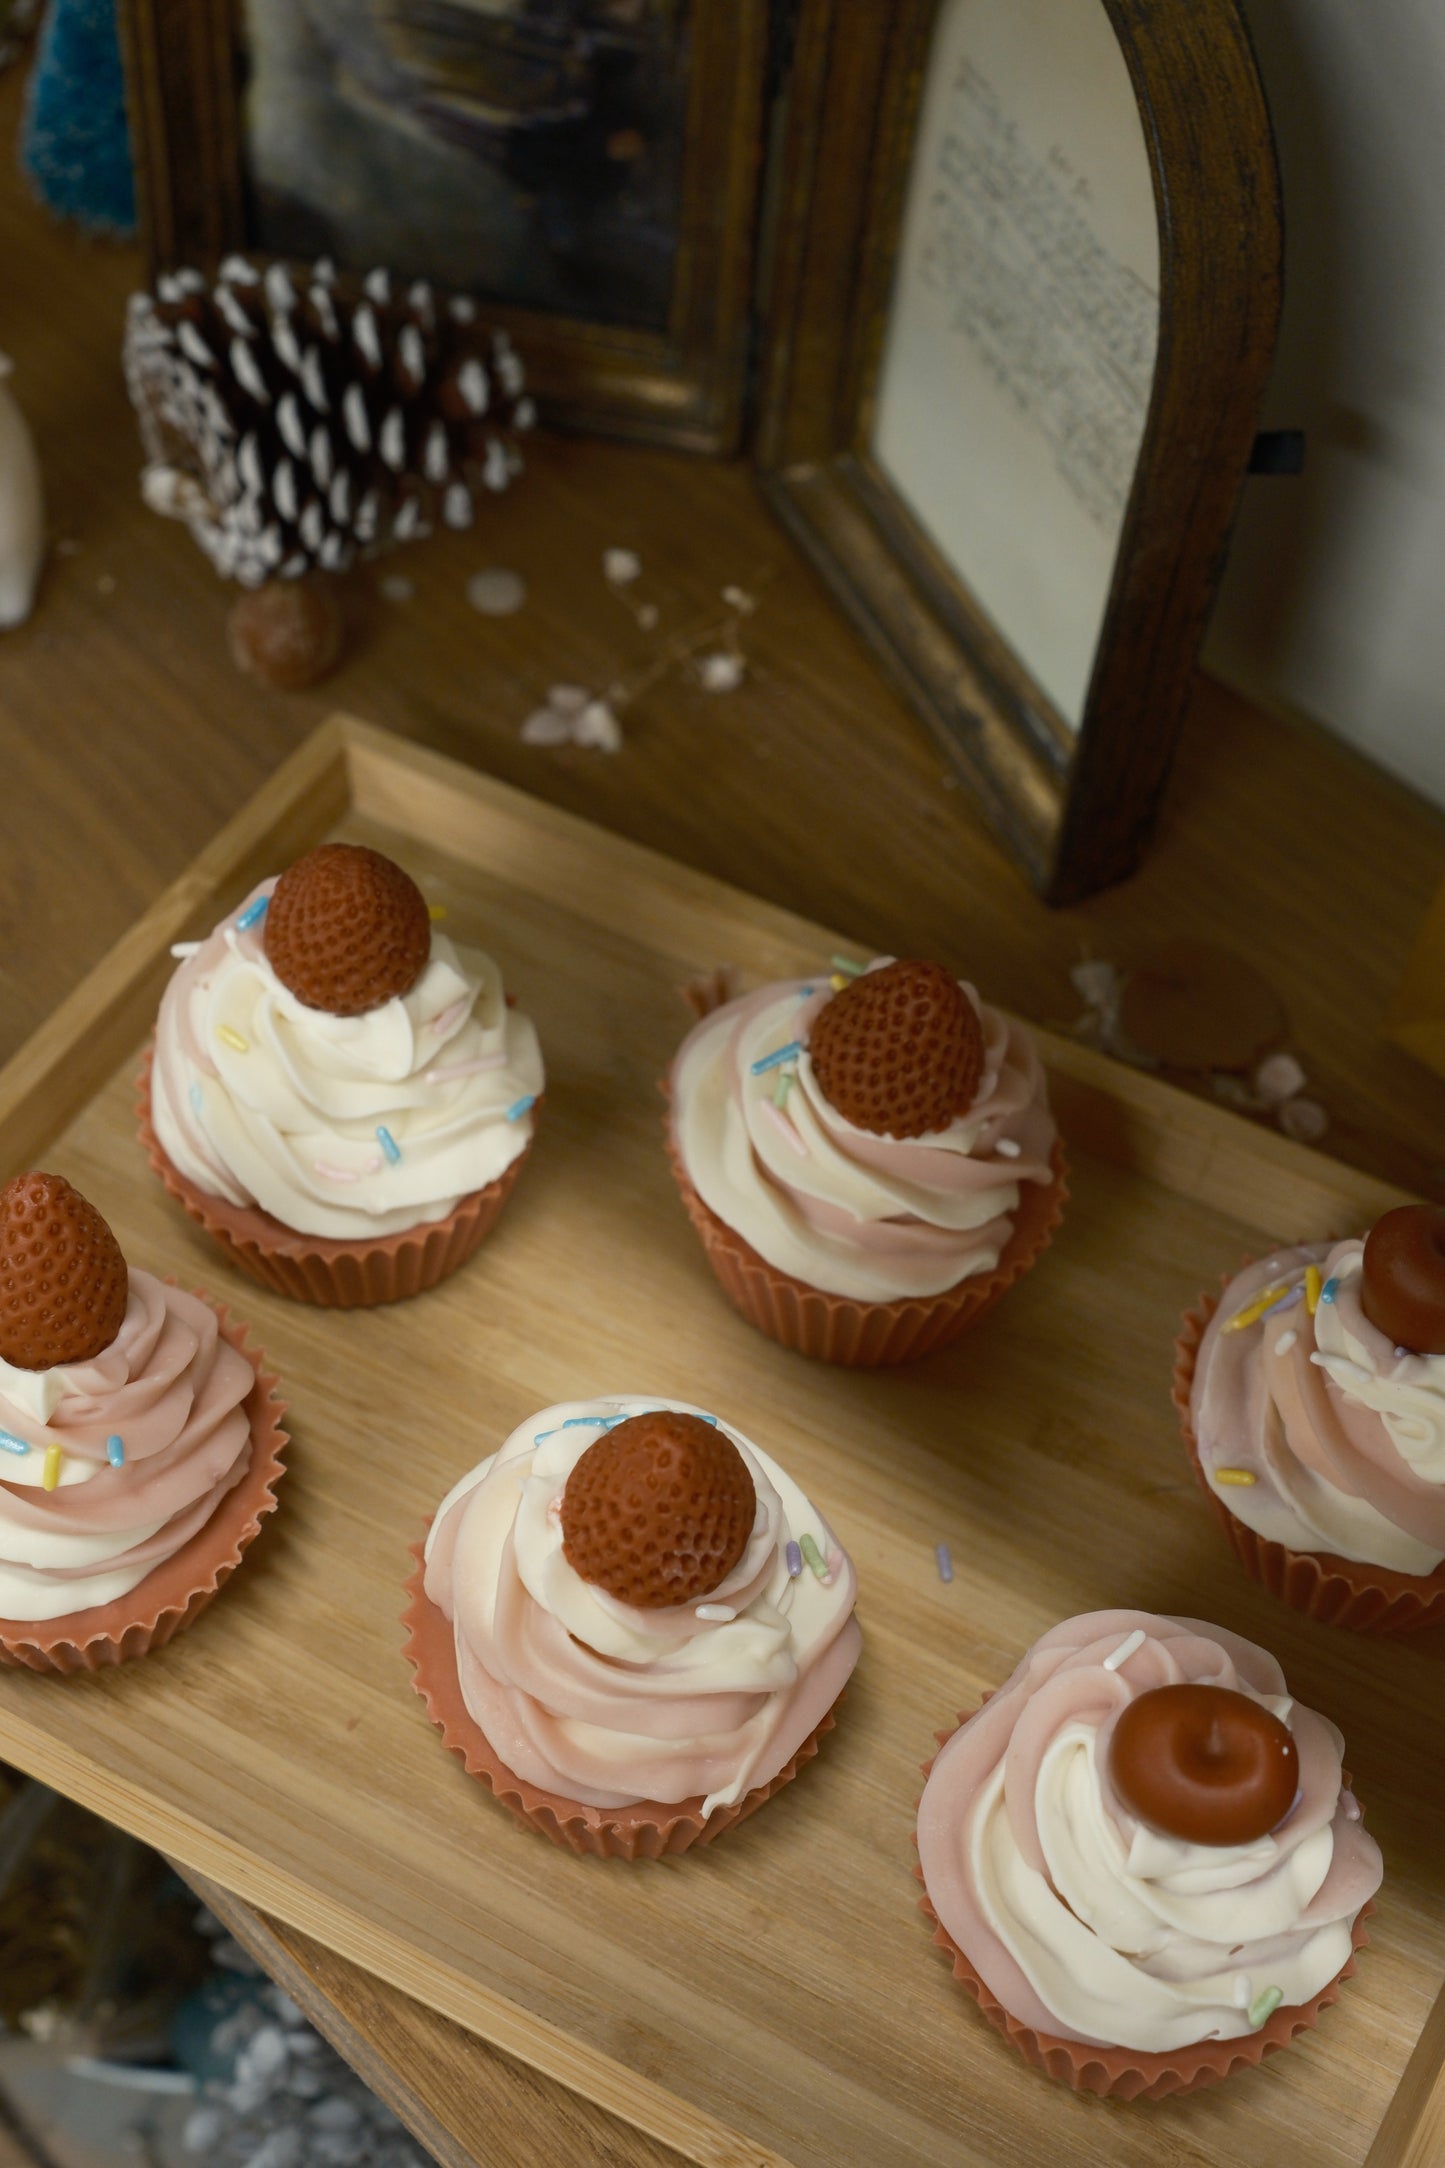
<point x="9" y="1443"/>
<point x="795" y="1561"/>
<point x="252" y="912"/>
<point x="195" y="1098"/>
<point x="945" y="1561"/>
<point x="708" y="1419"/>
<point x="115" y="1451"/>
<point x="1329" y="1291"/>
<point x="521" y="1106"/>
<point x="388" y="1143"/>
<point x="773" y="1061"/>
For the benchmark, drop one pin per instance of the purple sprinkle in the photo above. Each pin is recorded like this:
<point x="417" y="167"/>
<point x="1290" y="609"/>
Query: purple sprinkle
<point x="945" y="1561"/>
<point x="794" y="1558"/>
<point x="1286" y="1301"/>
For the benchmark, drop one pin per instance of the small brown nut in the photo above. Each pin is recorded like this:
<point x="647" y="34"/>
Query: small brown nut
<point x="287" y="633"/>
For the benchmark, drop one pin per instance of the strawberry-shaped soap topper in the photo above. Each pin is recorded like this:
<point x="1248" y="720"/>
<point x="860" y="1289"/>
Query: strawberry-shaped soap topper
<point x="63" y="1281"/>
<point x="659" y="1510"/>
<point x="899" y="1051"/>
<point x="347" y="929"/>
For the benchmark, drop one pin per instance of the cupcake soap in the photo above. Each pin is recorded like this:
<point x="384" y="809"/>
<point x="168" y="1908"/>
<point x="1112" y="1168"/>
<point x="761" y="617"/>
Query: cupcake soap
<point x="1143" y="1857"/>
<point x="870" y="1162"/>
<point x="140" y="1440"/>
<point x="1312" y="1394"/>
<point x="341" y="1095"/>
<point x="631" y="1624"/>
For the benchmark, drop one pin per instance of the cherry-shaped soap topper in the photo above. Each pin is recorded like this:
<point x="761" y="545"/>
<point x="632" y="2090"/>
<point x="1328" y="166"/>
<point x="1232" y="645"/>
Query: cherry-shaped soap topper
<point x="1204" y="1764"/>
<point x="347" y="929"/>
<point x="1402" y="1278"/>
<point x="658" y="1510"/>
<point x="63" y="1281"/>
<point x="899" y="1051"/>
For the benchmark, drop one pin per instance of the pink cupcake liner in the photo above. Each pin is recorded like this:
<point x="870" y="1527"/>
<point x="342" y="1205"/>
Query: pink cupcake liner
<point x="1346" y="1592"/>
<point x="178" y="1590"/>
<point x="1131" y="2073"/>
<point x="869" y="1335"/>
<point x="649" y="1829"/>
<point x="311" y="1268"/>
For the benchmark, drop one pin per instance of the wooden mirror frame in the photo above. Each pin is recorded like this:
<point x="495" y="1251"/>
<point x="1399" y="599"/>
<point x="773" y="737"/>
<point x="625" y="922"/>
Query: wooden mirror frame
<point x="684" y="386"/>
<point x="1075" y="807"/>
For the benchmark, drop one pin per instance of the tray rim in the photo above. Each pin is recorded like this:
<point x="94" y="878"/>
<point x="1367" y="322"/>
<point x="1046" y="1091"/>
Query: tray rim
<point x="1115" y="1112"/>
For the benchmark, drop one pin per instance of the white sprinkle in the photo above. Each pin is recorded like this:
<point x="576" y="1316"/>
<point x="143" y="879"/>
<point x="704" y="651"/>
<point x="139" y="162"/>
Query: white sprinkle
<point x="1009" y="1148"/>
<point x="472" y="384"/>
<point x="568" y="699"/>
<point x="363" y="330"/>
<point x="325" y="308"/>
<point x="497" y="592"/>
<point x="445" y="1073"/>
<point x="621" y="567"/>
<point x="246" y="372"/>
<point x="1243" y="1991"/>
<point x="393" y="440"/>
<point x="545" y="726"/>
<point x="1125" y="1650"/>
<point x="721" y="672"/>
<point x="364" y="524"/>
<point x="358" y="421"/>
<point x="288" y="421"/>
<point x="335" y="555"/>
<point x="524" y="414"/>
<point x="168" y="288"/>
<point x="457" y="508"/>
<point x="183" y="949"/>
<point x="710" y="1611"/>
<point x="1285" y="1342"/>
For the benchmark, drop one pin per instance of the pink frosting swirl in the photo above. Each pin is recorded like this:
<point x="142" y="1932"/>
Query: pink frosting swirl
<point x="174" y="1392"/>
<point x="1090" y="1926"/>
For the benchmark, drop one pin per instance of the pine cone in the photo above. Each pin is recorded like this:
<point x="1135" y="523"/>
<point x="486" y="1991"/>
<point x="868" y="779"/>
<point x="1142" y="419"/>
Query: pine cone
<point x="296" y="427"/>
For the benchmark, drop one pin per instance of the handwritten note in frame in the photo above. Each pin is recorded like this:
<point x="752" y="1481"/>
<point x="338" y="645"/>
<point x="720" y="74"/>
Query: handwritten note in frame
<point x="1026" y="289"/>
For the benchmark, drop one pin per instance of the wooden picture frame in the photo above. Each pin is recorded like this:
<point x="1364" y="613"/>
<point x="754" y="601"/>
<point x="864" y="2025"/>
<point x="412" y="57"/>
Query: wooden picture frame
<point x="1075" y="805"/>
<point x="682" y="384"/>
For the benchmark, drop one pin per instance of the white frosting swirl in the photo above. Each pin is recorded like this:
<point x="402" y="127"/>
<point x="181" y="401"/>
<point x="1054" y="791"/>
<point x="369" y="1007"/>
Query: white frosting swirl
<point x="347" y="1127"/>
<point x="1089" y="1925"/>
<point x="173" y="1393"/>
<point x="836" y="1206"/>
<point x="1340" y="1435"/>
<point x="605" y="1703"/>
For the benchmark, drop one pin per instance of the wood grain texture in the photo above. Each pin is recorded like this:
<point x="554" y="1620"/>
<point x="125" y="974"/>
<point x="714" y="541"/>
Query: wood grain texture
<point x="777" y="1999"/>
<point x="463" y="2101"/>
<point x="129" y="740"/>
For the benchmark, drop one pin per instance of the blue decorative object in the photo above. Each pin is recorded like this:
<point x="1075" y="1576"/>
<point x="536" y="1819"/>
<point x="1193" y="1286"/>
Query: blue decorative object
<point x="75" y="146"/>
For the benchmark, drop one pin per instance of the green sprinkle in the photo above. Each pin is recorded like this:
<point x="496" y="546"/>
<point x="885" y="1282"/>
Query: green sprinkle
<point x="814" y="1557"/>
<point x="844" y="964"/>
<point x="1264" y="2007"/>
<point x="783" y="1087"/>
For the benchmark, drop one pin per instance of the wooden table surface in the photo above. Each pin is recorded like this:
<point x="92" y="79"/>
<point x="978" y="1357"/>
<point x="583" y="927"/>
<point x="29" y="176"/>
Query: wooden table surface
<point x="128" y="737"/>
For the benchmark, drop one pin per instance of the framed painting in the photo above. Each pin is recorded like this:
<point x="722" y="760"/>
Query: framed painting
<point x="588" y="169"/>
<point x="1024" y="293"/>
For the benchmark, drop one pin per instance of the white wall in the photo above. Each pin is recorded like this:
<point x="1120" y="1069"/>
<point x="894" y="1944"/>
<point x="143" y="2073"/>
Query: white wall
<point x="1334" y="596"/>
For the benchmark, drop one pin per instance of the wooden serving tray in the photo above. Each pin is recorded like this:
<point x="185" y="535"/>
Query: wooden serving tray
<point x="775" y="1998"/>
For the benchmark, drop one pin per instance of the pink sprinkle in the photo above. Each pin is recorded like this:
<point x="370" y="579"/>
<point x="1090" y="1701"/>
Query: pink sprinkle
<point x="465" y="1068"/>
<point x="375" y="1163"/>
<point x="784" y="1127"/>
<point x="835" y="1563"/>
<point x="335" y="1174"/>
<point x="442" y="1024"/>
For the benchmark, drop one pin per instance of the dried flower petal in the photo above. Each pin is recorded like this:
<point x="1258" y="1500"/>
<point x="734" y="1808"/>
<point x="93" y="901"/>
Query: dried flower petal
<point x="721" y="672"/>
<point x="597" y="725"/>
<point x="620" y="567"/>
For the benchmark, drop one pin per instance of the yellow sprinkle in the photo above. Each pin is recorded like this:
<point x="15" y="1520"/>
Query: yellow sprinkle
<point x="838" y="982"/>
<point x="51" y="1475"/>
<point x="1233" y="1475"/>
<point x="1313" y="1284"/>
<point x="229" y="1036"/>
<point x="1257" y="1308"/>
<point x="436" y="910"/>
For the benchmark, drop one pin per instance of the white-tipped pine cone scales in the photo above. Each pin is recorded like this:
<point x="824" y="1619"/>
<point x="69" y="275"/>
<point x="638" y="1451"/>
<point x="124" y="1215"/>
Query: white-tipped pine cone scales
<point x="295" y="423"/>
